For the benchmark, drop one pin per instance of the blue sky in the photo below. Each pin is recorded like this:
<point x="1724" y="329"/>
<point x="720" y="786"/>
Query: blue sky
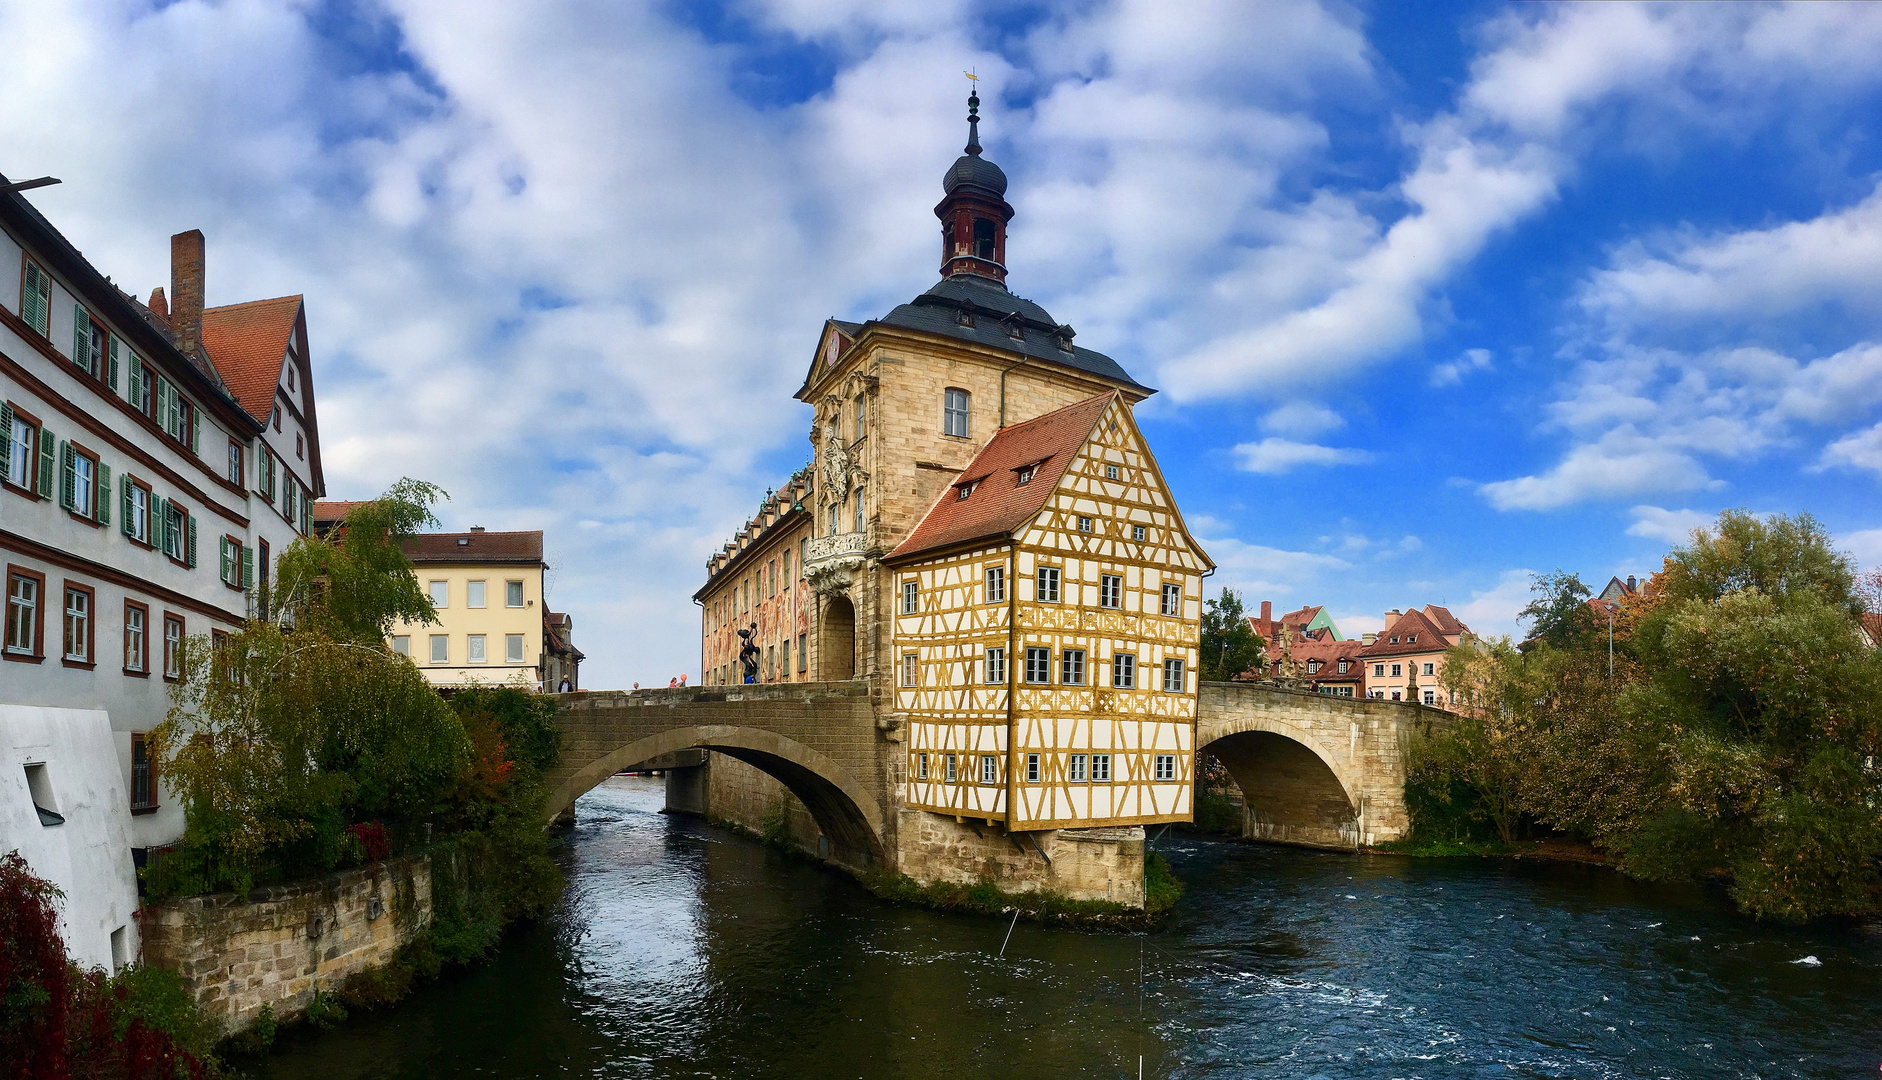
<point x="1436" y="296"/>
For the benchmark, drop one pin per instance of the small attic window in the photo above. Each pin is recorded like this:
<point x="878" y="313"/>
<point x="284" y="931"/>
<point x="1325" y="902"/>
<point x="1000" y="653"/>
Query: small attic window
<point x="1413" y="637"/>
<point x="961" y="491"/>
<point x="963" y="317"/>
<point x="290" y="376"/>
<point x="1014" y="328"/>
<point x="1395" y="639"/>
<point x="1024" y="474"/>
<point x="464" y="541"/>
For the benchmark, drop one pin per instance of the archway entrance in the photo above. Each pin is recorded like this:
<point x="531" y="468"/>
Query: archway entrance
<point x="1292" y="796"/>
<point x="836" y="640"/>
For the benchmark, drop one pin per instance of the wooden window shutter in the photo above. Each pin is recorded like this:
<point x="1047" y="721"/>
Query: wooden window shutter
<point x="68" y="476"/>
<point x="196" y="431"/>
<point x="47" y="449"/>
<point x="137" y="383"/>
<point x="81" y="337"/>
<point x="160" y="523"/>
<point x="111" y="365"/>
<point x="189" y="543"/>
<point x="248" y="566"/>
<point x="36" y="304"/>
<point x="127" y="504"/>
<point x="101" y="495"/>
<point x="222" y="550"/>
<point x="6" y="439"/>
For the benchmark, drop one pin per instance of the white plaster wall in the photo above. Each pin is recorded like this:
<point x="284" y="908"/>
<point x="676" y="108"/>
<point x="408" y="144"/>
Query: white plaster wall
<point x="89" y="856"/>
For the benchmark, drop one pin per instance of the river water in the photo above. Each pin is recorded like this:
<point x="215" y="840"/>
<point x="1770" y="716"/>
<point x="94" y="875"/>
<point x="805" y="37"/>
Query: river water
<point x="682" y="950"/>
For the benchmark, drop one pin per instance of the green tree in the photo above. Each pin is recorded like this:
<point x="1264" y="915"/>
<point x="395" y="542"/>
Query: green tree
<point x="354" y="583"/>
<point x="1559" y="613"/>
<point x="1230" y="647"/>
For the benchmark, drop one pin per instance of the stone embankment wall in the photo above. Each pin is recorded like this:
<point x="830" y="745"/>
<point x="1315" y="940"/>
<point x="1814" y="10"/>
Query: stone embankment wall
<point x="275" y="946"/>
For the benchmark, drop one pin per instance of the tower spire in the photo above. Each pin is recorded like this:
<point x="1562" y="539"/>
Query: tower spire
<point x="973" y="121"/>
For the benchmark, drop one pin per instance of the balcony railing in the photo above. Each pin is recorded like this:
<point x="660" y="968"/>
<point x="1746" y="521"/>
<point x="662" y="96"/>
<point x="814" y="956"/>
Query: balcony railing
<point x="832" y="547"/>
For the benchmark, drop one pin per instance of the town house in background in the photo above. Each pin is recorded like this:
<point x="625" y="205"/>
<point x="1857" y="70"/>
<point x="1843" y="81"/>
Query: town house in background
<point x="1405" y="660"/>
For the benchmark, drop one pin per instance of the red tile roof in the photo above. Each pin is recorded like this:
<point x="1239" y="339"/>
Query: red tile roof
<point x="1270" y="629"/>
<point x="248" y="343"/>
<point x="476" y="547"/>
<point x="1446" y="622"/>
<point x="998" y="504"/>
<point x="1872" y="622"/>
<point x="335" y="509"/>
<point x="1409" y="625"/>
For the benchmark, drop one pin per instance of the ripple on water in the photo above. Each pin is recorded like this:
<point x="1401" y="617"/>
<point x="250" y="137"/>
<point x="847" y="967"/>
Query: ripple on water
<point x="685" y="951"/>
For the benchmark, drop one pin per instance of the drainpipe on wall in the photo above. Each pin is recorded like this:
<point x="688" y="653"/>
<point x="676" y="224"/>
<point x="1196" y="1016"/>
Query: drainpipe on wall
<point x="1021" y="363"/>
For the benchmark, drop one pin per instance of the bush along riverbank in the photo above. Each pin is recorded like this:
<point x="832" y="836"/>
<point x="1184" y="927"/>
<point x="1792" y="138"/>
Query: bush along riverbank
<point x="1728" y="730"/>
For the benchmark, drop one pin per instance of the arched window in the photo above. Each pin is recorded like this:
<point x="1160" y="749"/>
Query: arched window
<point x="947" y="240"/>
<point x="983" y="239"/>
<point x="954" y="412"/>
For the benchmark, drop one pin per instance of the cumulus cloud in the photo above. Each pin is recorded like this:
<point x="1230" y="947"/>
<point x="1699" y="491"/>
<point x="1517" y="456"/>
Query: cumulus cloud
<point x="1858" y="450"/>
<point x="1623" y="462"/>
<point x="1865" y="546"/>
<point x="1276" y="457"/>
<point x="1670" y="526"/>
<point x="1493" y="610"/>
<point x="1302" y="420"/>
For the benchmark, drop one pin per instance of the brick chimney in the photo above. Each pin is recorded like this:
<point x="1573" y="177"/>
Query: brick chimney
<point x="158" y="305"/>
<point x="186" y="290"/>
<point x="1392" y="617"/>
<point x="1630" y="583"/>
<point x="1267" y="612"/>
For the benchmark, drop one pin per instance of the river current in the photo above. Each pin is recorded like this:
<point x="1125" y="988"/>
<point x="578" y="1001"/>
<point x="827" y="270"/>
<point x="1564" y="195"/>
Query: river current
<point x="683" y="950"/>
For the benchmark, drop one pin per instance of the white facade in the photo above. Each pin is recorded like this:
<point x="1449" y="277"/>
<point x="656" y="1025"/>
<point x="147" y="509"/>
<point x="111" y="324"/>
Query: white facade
<point x="94" y="586"/>
<point x="64" y="760"/>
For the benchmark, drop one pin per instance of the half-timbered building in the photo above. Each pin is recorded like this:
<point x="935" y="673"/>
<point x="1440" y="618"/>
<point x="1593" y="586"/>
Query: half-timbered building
<point x="1048" y="609"/>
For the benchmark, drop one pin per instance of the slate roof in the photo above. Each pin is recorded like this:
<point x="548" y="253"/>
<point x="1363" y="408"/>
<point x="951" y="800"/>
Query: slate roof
<point x="989" y="310"/>
<point x="998" y="504"/>
<point x="480" y="547"/>
<point x="248" y="344"/>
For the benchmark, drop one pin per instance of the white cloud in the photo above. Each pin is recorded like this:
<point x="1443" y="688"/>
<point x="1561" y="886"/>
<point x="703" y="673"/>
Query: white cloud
<point x="1493" y="610"/>
<point x="1858" y="450"/>
<point x="1669" y="526"/>
<point x="1302" y="420"/>
<point x="1621" y="463"/>
<point x="1865" y="546"/>
<point x="1274" y="457"/>
<point x="1452" y="372"/>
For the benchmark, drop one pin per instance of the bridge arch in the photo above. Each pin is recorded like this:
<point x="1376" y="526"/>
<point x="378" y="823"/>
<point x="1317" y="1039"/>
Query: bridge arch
<point x="842" y="806"/>
<point x="1297" y="788"/>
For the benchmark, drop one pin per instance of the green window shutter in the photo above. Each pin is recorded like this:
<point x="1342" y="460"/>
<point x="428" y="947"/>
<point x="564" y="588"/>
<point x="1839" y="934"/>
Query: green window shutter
<point x="189" y="543"/>
<point x="137" y="383"/>
<point x="222" y="550"/>
<point x="33" y="306"/>
<point x="248" y="567"/>
<point x="127" y="504"/>
<point x="160" y="524"/>
<point x="6" y="439"/>
<point x="111" y="365"/>
<point x="101" y="496"/>
<point x="81" y="336"/>
<point x="196" y="431"/>
<point x="48" y="447"/>
<point x="68" y="476"/>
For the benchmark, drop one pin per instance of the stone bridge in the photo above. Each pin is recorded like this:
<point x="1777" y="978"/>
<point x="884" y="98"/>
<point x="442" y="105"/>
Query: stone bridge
<point x="1313" y="769"/>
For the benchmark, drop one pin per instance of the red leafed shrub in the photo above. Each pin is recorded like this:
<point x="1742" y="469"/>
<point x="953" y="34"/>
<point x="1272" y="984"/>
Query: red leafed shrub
<point x="372" y="835"/>
<point x="58" y="1022"/>
<point x="33" y="976"/>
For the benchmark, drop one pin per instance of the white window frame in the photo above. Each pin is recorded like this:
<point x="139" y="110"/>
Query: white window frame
<point x="23" y="458"/>
<point x="921" y="766"/>
<point x="514" y="648"/>
<point x="911" y="598"/>
<point x="950" y="768"/>
<point x="1075" y="769"/>
<point x="402" y="644"/>
<point x="77" y="626"/>
<point x="513" y="588"/>
<point x="437" y="589"/>
<point x="1140" y="533"/>
<point x="476" y="594"/>
<point x="1172" y="598"/>
<point x="996" y="585"/>
<point x="1166" y="767"/>
<point x="440" y="648"/>
<point x="1101" y="768"/>
<point x="136" y="628"/>
<point x="1175" y="675"/>
<point x="1032" y="768"/>
<point x="989" y="769"/>
<point x="23" y="613"/>
<point x="911" y="664"/>
<point x="474" y="651"/>
<point x="996" y="666"/>
<point x="1110" y="590"/>
<point x="956" y="408"/>
<point x="1039" y="662"/>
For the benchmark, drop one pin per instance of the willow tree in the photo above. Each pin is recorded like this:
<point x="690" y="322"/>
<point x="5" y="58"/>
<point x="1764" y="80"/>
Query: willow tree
<point x="285" y="736"/>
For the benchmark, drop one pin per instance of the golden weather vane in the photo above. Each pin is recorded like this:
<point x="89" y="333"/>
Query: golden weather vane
<point x="971" y="75"/>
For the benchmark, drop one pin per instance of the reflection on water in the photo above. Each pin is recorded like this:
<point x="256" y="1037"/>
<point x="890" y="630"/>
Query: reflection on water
<point x="684" y="951"/>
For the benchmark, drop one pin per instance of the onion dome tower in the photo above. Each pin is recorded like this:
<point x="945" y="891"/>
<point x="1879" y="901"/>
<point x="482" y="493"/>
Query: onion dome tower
<point x="974" y="211"/>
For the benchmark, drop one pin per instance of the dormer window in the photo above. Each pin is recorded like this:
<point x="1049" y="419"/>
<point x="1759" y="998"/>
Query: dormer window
<point x="1413" y="637"/>
<point x="964" y="490"/>
<point x="1313" y="667"/>
<point x="1014" y="328"/>
<point x="1395" y="639"/>
<point x="1343" y="666"/>
<point x="1024" y="476"/>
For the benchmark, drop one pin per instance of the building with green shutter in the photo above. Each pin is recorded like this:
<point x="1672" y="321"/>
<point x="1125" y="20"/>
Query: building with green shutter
<point x="154" y="458"/>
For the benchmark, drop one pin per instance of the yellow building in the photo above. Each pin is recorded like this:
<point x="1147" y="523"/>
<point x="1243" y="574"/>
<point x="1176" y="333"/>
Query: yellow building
<point x="492" y="625"/>
<point x="1049" y="608"/>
